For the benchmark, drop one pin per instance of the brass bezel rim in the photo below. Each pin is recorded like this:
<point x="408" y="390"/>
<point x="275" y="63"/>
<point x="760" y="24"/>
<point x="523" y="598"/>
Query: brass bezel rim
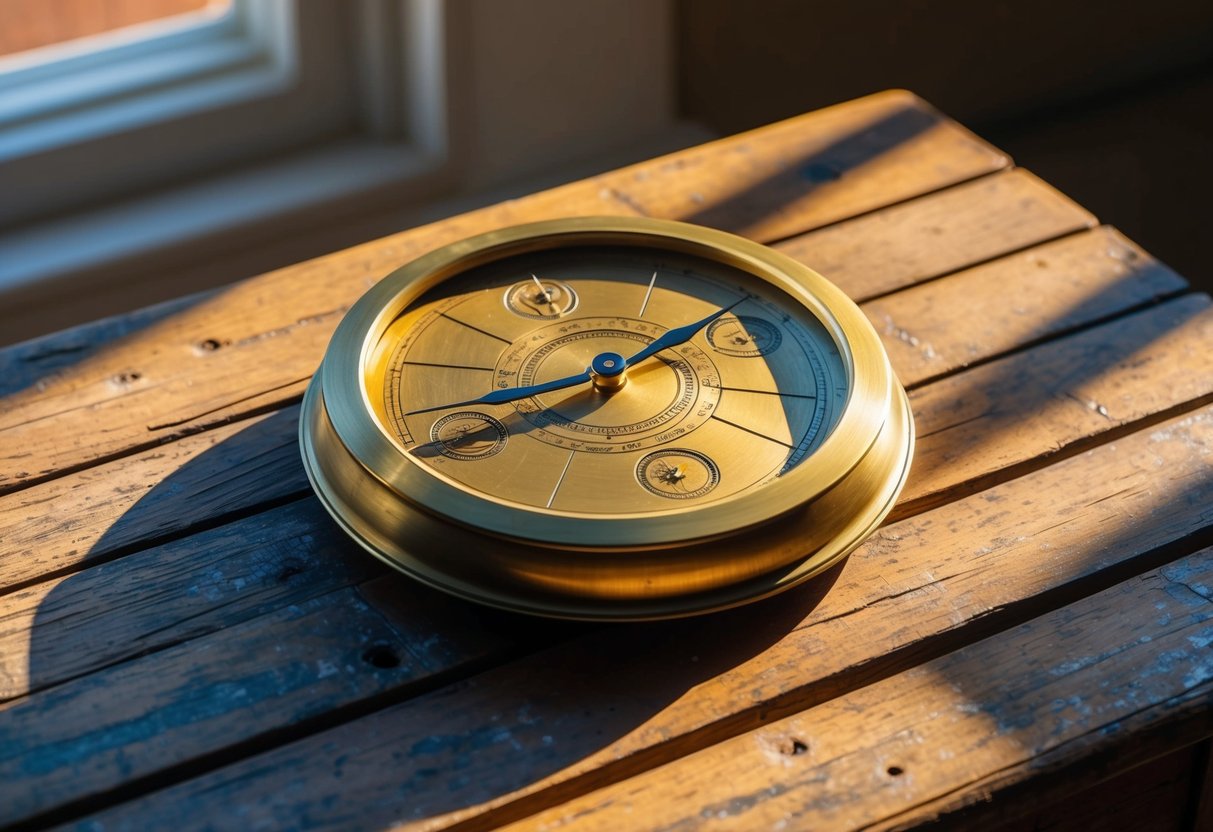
<point x="342" y="383"/>
<point x="429" y="552"/>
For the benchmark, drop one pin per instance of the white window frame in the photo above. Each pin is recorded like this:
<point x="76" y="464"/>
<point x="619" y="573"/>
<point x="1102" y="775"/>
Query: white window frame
<point x="268" y="77"/>
<point x="296" y="139"/>
<point x="454" y="103"/>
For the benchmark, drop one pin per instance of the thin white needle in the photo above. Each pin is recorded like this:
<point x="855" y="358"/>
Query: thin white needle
<point x="562" y="473"/>
<point x="543" y="293"/>
<point x="647" y="295"/>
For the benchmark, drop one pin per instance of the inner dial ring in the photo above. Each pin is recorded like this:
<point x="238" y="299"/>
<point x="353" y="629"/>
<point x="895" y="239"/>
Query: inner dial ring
<point x="674" y="392"/>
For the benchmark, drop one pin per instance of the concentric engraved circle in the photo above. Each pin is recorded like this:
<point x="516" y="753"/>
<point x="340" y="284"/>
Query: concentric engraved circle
<point x="468" y="434"/>
<point x="744" y="336"/>
<point x="677" y="473"/>
<point x="680" y="388"/>
<point x="538" y="298"/>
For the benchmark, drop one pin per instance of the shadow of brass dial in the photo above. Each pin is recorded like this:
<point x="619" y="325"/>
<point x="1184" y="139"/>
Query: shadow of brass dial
<point x="606" y="418"/>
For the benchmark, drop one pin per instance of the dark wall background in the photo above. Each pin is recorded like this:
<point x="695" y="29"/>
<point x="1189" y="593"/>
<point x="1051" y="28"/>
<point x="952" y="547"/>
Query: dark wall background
<point x="1111" y="102"/>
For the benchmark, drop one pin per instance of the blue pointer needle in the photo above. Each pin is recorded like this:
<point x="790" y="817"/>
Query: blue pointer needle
<point x="671" y="338"/>
<point x="674" y="337"/>
<point x="510" y="394"/>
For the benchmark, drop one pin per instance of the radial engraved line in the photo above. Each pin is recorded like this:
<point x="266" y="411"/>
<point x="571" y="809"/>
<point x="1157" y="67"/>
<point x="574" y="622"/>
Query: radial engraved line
<point x="766" y="392"/>
<point x="475" y="328"/>
<point x="564" y="471"/>
<point x="754" y="432"/>
<point x="447" y="366"/>
<point x="647" y="295"/>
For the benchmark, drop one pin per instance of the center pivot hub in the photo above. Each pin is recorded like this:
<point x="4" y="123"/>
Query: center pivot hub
<point x="667" y="396"/>
<point x="607" y="371"/>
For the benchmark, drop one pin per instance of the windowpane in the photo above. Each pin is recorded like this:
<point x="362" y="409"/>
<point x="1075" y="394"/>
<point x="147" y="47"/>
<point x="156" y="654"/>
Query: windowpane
<point x="32" y="24"/>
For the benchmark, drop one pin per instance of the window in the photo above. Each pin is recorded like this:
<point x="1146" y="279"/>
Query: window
<point x="222" y="144"/>
<point x="265" y="78"/>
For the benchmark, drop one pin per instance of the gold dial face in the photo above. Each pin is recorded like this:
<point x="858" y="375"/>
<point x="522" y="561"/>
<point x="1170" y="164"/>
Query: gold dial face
<point x="753" y="388"/>
<point x="606" y="418"/>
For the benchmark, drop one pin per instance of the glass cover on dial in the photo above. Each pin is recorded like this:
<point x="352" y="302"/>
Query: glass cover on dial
<point x="526" y="380"/>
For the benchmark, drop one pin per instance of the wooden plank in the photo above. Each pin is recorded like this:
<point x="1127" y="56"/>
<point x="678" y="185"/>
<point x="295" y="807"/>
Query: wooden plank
<point x="1030" y="211"/>
<point x="1015" y="301"/>
<point x="992" y="421"/>
<point x="201" y="480"/>
<point x="87" y="516"/>
<point x="782" y="179"/>
<point x="253" y="346"/>
<point x="1008" y="391"/>
<point x="1016" y="709"/>
<point x="231" y="469"/>
<point x="35" y="363"/>
<point x="66" y="627"/>
<point x="954" y="229"/>
<point x="302" y="662"/>
<point x="1026" y="406"/>
<point x="618" y="701"/>
<point x="1152" y="797"/>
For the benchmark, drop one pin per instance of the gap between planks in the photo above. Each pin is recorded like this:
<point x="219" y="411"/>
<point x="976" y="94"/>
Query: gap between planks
<point x="966" y="606"/>
<point x="937" y="742"/>
<point x="1096" y="288"/>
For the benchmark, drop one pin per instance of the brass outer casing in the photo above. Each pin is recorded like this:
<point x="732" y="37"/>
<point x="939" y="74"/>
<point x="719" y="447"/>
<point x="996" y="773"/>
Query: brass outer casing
<point x="618" y="567"/>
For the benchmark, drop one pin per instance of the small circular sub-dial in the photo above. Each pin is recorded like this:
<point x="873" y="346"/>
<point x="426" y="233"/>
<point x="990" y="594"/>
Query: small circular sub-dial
<point x="541" y="298"/>
<point x="744" y="336"/>
<point x="677" y="473"/>
<point x="468" y="435"/>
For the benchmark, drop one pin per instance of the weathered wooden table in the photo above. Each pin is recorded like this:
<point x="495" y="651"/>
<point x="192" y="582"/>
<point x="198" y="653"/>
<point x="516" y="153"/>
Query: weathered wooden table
<point x="187" y="640"/>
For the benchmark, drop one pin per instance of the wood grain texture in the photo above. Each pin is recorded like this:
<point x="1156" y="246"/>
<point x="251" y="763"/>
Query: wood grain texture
<point x="248" y="349"/>
<point x="626" y="699"/>
<point x="71" y="520"/>
<point x="66" y="627"/>
<point x="207" y="478"/>
<point x="201" y="480"/>
<point x="1015" y="301"/>
<point x="1151" y="797"/>
<point x="1009" y="710"/>
<point x="66" y="523"/>
<point x="301" y="662"/>
<point x="939" y="233"/>
<point x="38" y="362"/>
<point x="988" y="422"/>
<point x="187" y="640"/>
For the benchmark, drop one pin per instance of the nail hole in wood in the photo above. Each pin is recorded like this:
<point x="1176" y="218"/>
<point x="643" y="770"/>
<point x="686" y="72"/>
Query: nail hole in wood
<point x="210" y="345"/>
<point x="895" y="771"/>
<point x="381" y="656"/>
<point x="794" y="747"/>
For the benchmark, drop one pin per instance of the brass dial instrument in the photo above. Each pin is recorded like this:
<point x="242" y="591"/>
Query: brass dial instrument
<point x="606" y="418"/>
